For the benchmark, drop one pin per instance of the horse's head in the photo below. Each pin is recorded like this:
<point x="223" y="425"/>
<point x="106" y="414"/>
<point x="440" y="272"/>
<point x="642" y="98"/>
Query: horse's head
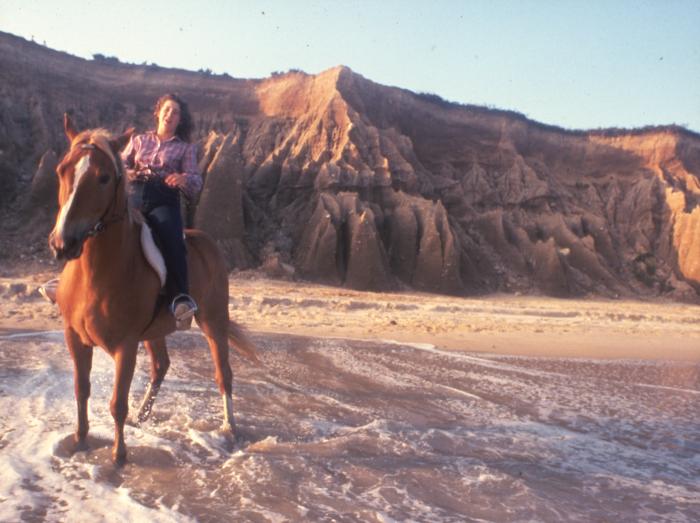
<point x="90" y="180"/>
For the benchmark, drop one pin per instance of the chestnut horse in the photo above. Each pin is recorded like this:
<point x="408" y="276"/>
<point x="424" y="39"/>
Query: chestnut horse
<point x="108" y="294"/>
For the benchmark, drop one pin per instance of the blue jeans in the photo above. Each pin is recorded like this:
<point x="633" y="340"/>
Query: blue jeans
<point x="160" y="206"/>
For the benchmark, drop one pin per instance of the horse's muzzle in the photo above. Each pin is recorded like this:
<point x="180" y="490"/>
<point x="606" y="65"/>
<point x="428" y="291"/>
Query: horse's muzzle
<point x="65" y="249"/>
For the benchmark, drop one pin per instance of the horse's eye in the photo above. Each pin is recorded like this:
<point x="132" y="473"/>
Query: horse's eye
<point x="103" y="179"/>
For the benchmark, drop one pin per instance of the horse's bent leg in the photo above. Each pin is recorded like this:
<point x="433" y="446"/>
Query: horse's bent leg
<point x="218" y="345"/>
<point x="82" y="364"/>
<point x="125" y="361"/>
<point x="160" y="362"/>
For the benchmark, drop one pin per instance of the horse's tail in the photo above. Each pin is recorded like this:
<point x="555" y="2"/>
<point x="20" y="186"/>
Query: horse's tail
<point x="243" y="345"/>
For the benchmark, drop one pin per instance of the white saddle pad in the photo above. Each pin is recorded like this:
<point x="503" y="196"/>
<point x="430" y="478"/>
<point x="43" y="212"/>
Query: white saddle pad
<point x="152" y="253"/>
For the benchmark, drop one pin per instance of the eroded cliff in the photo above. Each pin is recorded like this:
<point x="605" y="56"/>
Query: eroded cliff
<point x="373" y="187"/>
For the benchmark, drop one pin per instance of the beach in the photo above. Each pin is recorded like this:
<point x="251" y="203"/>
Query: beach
<point x="370" y="407"/>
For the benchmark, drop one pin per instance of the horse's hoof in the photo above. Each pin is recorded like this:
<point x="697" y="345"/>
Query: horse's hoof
<point x="133" y="422"/>
<point x="229" y="431"/>
<point x="80" y="445"/>
<point x="228" y="437"/>
<point x="119" y="457"/>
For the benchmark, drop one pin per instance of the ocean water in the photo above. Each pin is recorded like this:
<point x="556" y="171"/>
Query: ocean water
<point x="346" y="430"/>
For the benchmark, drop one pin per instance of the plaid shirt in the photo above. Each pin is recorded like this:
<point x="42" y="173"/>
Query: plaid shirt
<point x="152" y="159"/>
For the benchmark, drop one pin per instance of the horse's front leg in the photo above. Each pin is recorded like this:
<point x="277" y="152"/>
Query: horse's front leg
<point x="82" y="364"/>
<point x="160" y="362"/>
<point x="124" y="361"/>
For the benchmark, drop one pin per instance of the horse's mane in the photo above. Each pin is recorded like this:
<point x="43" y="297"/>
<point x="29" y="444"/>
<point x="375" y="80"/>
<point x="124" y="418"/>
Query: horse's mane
<point x="100" y="138"/>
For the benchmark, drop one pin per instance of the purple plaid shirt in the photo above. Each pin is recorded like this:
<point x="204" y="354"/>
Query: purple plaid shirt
<point x="151" y="158"/>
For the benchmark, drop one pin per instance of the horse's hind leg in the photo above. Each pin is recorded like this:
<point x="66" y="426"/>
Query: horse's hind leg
<point x="217" y="337"/>
<point x="125" y="361"/>
<point x="160" y="362"/>
<point x="82" y="364"/>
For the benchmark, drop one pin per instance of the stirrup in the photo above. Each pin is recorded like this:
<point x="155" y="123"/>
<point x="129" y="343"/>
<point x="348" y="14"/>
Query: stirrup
<point x="48" y="290"/>
<point x="183" y="308"/>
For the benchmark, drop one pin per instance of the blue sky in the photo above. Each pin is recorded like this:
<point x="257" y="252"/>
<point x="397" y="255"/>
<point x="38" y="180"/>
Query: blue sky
<point x="576" y="64"/>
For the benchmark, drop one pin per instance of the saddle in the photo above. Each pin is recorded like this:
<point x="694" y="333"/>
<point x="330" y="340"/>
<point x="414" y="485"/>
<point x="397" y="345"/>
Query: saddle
<point x="182" y="307"/>
<point x="152" y="253"/>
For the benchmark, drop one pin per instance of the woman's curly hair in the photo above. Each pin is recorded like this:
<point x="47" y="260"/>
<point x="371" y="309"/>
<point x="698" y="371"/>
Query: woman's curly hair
<point x="184" y="128"/>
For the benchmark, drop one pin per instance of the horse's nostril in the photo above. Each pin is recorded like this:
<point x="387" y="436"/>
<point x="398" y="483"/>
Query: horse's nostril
<point x="72" y="248"/>
<point x="64" y="248"/>
<point x="57" y="252"/>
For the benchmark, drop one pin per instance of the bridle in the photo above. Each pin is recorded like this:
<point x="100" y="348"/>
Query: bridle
<point x="103" y="222"/>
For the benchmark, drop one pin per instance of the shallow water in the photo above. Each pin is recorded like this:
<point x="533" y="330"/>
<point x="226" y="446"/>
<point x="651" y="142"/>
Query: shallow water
<point x="343" y="430"/>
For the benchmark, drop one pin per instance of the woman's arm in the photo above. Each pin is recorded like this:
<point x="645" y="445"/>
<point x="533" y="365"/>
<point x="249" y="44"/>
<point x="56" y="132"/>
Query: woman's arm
<point x="189" y="181"/>
<point x="128" y="156"/>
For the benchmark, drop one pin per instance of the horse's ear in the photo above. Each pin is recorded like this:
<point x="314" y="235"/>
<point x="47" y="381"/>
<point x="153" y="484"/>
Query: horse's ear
<point x="69" y="128"/>
<point x="119" y="143"/>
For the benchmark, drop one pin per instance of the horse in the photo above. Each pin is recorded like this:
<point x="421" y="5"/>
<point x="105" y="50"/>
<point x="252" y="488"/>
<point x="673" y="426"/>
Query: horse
<point x="108" y="294"/>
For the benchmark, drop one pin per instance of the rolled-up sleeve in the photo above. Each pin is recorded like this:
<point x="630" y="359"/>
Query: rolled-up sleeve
<point x="191" y="171"/>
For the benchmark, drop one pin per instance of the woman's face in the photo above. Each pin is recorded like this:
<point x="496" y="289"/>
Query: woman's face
<point x="168" y="117"/>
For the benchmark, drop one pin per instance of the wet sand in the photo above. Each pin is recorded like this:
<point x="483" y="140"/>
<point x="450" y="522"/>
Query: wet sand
<point x="499" y="324"/>
<point x="372" y="407"/>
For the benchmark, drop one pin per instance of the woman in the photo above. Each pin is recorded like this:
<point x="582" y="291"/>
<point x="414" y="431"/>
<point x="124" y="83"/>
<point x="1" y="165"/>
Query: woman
<point x="160" y="165"/>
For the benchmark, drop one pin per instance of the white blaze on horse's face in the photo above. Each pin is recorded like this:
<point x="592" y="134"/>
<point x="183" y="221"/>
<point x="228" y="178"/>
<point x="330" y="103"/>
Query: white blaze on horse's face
<point x="81" y="167"/>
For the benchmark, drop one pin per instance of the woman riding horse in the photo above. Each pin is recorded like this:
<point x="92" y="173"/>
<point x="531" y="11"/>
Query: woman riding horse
<point x="108" y="294"/>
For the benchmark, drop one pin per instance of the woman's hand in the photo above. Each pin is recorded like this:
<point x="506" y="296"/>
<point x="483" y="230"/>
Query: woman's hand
<point x="176" y="181"/>
<point x="137" y="174"/>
